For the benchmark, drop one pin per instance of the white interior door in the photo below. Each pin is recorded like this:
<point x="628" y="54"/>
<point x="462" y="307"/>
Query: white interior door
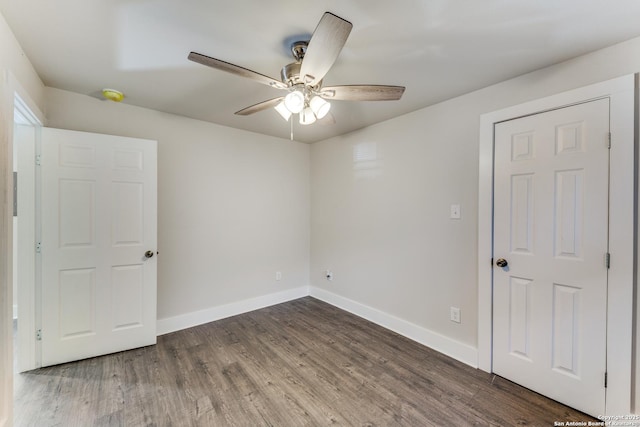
<point x="99" y="203"/>
<point x="551" y="227"/>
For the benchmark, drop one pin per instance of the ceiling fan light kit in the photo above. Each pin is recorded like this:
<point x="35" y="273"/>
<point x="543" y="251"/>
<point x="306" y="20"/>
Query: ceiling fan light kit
<point x="303" y="78"/>
<point x="299" y="101"/>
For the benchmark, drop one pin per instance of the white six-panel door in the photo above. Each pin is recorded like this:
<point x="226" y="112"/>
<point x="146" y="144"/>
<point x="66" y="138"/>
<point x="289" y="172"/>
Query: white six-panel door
<point x="99" y="203"/>
<point x="551" y="227"/>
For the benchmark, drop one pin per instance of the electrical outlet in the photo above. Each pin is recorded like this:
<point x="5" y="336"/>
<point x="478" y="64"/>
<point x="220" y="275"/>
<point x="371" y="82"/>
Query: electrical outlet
<point x="455" y="212"/>
<point x="278" y="275"/>
<point x="329" y="275"/>
<point x="455" y="314"/>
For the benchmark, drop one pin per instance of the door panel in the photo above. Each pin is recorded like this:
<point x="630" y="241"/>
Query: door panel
<point x="128" y="296"/>
<point x="551" y="225"/>
<point x="77" y="290"/>
<point x="522" y="213"/>
<point x="76" y="203"/>
<point x="99" y="206"/>
<point x="127" y="213"/>
<point x="520" y="317"/>
<point x="569" y="213"/>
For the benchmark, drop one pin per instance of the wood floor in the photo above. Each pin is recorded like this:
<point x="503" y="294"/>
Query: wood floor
<point x="301" y="363"/>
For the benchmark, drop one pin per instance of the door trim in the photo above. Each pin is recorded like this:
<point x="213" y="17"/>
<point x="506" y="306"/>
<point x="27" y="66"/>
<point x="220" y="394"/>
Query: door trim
<point x="620" y="91"/>
<point x="10" y="90"/>
<point x="27" y="272"/>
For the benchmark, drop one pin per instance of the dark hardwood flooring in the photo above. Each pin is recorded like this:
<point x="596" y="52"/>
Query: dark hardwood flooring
<point x="301" y="363"/>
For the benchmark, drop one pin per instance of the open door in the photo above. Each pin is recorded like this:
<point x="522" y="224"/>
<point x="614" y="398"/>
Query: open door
<point x="98" y="244"/>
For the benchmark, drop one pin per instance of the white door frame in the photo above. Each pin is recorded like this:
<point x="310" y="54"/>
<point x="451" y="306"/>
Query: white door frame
<point x="27" y="272"/>
<point x="621" y="92"/>
<point x="11" y="92"/>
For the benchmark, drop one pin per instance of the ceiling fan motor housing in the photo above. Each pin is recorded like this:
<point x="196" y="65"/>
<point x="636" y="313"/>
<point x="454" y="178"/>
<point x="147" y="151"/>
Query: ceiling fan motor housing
<point x="298" y="50"/>
<point x="290" y="74"/>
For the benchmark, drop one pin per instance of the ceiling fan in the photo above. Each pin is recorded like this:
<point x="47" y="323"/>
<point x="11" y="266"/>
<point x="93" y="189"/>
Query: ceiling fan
<point x="303" y="78"/>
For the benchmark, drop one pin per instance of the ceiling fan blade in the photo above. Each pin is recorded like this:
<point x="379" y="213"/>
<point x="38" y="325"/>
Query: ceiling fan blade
<point x="235" y="69"/>
<point x="260" y="106"/>
<point x="324" y="47"/>
<point x="362" y="92"/>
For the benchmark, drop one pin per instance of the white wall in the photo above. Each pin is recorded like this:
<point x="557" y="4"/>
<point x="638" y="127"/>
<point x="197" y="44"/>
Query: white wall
<point x="383" y="227"/>
<point x="233" y="206"/>
<point x="385" y="231"/>
<point x="14" y="60"/>
<point x="16" y="74"/>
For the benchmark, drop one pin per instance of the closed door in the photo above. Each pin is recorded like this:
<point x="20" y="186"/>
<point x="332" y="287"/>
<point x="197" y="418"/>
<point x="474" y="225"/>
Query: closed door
<point x="98" y="244"/>
<point x="550" y="253"/>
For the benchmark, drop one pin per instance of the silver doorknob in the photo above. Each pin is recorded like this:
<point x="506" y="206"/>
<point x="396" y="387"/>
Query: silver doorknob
<point x="501" y="262"/>
<point x="148" y="254"/>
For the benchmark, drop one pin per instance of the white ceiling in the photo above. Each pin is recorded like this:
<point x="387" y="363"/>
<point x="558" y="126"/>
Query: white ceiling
<point x="438" y="49"/>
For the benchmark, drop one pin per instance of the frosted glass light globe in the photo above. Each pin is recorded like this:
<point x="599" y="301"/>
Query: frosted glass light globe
<point x="283" y="111"/>
<point x="319" y="106"/>
<point x="307" y="117"/>
<point x="294" y="101"/>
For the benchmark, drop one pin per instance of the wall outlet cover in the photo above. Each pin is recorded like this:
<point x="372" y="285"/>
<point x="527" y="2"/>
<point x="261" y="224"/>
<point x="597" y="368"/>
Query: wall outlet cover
<point x="455" y="212"/>
<point x="455" y="314"/>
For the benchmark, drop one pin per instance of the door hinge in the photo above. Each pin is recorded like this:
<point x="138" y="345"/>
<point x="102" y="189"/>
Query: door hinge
<point x="38" y="159"/>
<point x="38" y="247"/>
<point x="607" y="260"/>
<point x="606" y="378"/>
<point x="609" y="141"/>
<point x="38" y="334"/>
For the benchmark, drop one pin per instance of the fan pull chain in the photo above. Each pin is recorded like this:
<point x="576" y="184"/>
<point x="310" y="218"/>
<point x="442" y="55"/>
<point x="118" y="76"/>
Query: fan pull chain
<point x="291" y="121"/>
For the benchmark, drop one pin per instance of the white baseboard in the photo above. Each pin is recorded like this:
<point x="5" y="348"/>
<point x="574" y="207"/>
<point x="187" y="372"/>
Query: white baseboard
<point x="452" y="348"/>
<point x="183" y="321"/>
<point x="15" y="311"/>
